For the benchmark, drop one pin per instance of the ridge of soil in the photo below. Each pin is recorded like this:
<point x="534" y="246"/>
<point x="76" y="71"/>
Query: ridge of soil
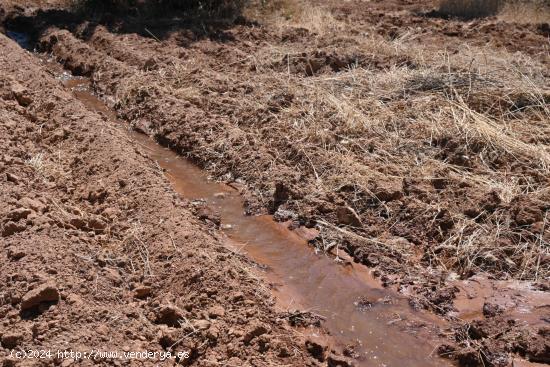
<point x="98" y="252"/>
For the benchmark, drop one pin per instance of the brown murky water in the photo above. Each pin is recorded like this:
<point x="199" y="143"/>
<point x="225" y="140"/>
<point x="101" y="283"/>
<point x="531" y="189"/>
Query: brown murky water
<point x="385" y="330"/>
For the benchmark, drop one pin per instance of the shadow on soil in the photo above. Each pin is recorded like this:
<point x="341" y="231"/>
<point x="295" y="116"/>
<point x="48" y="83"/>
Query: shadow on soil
<point x="186" y="27"/>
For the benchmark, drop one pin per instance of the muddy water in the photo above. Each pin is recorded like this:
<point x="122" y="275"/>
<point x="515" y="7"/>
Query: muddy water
<point x="383" y="328"/>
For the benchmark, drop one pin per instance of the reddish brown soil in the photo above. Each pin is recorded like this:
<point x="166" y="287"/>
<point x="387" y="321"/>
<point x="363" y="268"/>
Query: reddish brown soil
<point x="226" y="95"/>
<point x="97" y="251"/>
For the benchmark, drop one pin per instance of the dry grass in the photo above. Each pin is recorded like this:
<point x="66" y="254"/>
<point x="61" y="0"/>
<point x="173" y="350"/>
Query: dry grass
<point x="532" y="12"/>
<point x="496" y="136"/>
<point x="375" y="123"/>
<point x="474" y="248"/>
<point x="36" y="162"/>
<point x="296" y="13"/>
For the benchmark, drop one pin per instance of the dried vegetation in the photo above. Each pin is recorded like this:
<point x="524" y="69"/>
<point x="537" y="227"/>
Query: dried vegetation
<point x="447" y="150"/>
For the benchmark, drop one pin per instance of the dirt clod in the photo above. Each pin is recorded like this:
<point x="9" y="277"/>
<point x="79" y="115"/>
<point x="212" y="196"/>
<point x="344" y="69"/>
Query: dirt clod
<point x="12" y="178"/>
<point x="46" y="293"/>
<point x="334" y="360"/>
<point x="348" y="216"/>
<point x="255" y="329"/>
<point x="216" y="311"/>
<point x="169" y="315"/>
<point x="142" y="292"/>
<point x="19" y="213"/>
<point x="11" y="340"/>
<point x="11" y="228"/>
<point x="21" y="94"/>
<point x="317" y="349"/>
<point x="15" y="254"/>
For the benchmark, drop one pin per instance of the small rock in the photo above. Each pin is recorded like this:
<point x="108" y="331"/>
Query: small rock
<point x="21" y="94"/>
<point x="238" y="296"/>
<point x="142" y="292"/>
<point x="348" y="216"/>
<point x="12" y="228"/>
<point x="11" y="340"/>
<point x="12" y="178"/>
<point x="169" y="315"/>
<point x="254" y="330"/>
<point x="44" y="293"/>
<point x="213" y="333"/>
<point x="102" y="329"/>
<point x="16" y="254"/>
<point x="216" y="311"/>
<point x="19" y="213"/>
<point x="142" y="125"/>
